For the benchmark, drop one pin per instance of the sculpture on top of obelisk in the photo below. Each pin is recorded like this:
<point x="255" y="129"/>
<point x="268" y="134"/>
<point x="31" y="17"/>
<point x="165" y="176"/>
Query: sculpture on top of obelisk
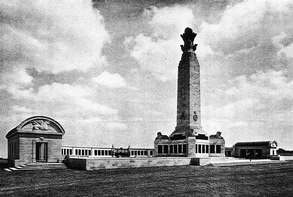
<point x="188" y="38"/>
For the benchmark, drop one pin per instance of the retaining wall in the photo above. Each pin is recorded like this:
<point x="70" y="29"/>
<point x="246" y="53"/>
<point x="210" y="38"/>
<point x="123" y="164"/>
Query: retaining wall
<point x="109" y="163"/>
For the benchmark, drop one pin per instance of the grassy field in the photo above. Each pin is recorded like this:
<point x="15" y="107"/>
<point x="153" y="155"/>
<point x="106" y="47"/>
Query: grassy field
<point x="257" y="180"/>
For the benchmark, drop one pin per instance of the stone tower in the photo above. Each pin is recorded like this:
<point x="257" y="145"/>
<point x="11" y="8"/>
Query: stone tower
<point x="188" y="92"/>
<point x="188" y="138"/>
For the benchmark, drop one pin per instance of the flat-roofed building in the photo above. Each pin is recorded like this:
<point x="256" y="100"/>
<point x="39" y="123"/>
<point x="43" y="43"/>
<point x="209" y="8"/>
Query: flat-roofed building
<point x="255" y="150"/>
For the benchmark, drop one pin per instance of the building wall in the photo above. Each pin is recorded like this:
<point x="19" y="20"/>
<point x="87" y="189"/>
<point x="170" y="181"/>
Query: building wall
<point x="13" y="148"/>
<point x="217" y="147"/>
<point x="27" y="147"/>
<point x="75" y="151"/>
<point x="171" y="148"/>
<point x="190" y="147"/>
<point x="265" y="151"/>
<point x="202" y="148"/>
<point x="108" y="163"/>
<point x="228" y="152"/>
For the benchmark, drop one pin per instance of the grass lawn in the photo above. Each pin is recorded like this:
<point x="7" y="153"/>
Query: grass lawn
<point x="257" y="180"/>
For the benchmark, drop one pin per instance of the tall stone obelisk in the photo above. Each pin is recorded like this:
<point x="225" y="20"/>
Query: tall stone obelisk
<point x="188" y="138"/>
<point x="188" y="92"/>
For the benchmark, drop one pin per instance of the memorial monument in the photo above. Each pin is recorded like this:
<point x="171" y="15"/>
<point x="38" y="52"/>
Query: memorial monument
<point x="188" y="138"/>
<point x="38" y="139"/>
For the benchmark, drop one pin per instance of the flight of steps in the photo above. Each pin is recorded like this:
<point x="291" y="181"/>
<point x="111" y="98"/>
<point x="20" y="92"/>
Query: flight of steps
<point x="37" y="166"/>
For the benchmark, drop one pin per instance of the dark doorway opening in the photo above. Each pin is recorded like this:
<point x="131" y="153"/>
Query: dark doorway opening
<point x="243" y="153"/>
<point x="41" y="151"/>
<point x="258" y="154"/>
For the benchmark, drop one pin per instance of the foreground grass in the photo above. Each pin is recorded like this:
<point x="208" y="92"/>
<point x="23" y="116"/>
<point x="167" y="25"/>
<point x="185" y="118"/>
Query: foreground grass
<point x="257" y="180"/>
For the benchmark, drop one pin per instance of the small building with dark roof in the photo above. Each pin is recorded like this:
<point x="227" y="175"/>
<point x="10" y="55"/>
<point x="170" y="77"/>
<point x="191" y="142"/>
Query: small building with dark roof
<point x="36" y="139"/>
<point x="255" y="150"/>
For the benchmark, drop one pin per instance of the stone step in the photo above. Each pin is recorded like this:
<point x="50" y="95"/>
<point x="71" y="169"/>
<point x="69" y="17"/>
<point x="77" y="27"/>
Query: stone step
<point x="43" y="166"/>
<point x="243" y="163"/>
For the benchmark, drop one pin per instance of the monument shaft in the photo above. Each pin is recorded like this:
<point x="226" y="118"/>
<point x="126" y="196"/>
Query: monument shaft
<point x="188" y="95"/>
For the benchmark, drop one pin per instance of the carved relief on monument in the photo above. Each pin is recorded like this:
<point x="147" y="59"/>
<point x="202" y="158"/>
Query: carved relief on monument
<point x="40" y="125"/>
<point x="195" y="117"/>
<point x="182" y="116"/>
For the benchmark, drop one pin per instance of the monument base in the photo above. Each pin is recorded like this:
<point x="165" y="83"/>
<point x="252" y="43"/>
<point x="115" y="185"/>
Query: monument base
<point x="179" y="145"/>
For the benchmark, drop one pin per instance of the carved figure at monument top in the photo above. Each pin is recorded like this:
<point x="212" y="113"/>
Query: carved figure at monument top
<point x="188" y="38"/>
<point x="161" y="136"/>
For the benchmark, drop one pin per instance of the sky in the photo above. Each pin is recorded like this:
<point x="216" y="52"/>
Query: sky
<point x="107" y="70"/>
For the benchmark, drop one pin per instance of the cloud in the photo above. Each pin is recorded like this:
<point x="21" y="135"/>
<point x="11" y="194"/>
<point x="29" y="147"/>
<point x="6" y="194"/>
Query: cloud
<point x="75" y="101"/>
<point x="264" y="85"/>
<point x="21" y="109"/>
<point x="247" y="81"/>
<point x="284" y="42"/>
<point x="288" y="51"/>
<point x="256" y="104"/>
<point x="75" y="107"/>
<point x="56" y="36"/>
<point x="49" y="36"/>
<point x="155" y="56"/>
<point x="47" y="51"/>
<point x="15" y="80"/>
<point x="159" y="52"/>
<point x="168" y="22"/>
<point x="115" y="126"/>
<point x="65" y="102"/>
<point x="110" y="80"/>
<point x="260" y="93"/>
<point x="247" y="24"/>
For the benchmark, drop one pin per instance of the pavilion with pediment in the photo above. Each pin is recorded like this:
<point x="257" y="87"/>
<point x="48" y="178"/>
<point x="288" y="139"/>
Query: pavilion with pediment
<point x="36" y="139"/>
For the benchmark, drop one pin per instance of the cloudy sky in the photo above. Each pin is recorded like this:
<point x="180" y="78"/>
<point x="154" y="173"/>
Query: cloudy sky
<point x="107" y="71"/>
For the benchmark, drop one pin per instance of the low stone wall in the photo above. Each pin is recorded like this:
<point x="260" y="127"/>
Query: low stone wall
<point x="285" y="158"/>
<point x="109" y="163"/>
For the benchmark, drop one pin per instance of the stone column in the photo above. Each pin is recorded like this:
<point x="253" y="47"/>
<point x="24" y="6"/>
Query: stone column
<point x="73" y="151"/>
<point x="191" y="146"/>
<point x="33" y="151"/>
